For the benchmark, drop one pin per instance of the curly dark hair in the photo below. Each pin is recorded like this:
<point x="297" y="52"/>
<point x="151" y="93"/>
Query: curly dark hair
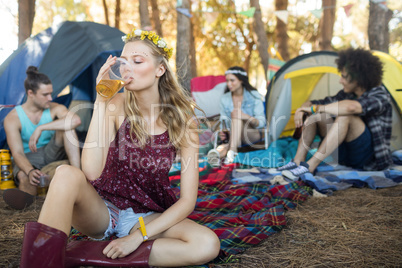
<point x="242" y="78"/>
<point x="34" y="79"/>
<point x="362" y="67"/>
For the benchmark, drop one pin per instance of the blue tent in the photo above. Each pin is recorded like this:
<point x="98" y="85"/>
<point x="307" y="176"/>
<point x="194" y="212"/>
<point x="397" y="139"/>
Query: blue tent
<point x="71" y="54"/>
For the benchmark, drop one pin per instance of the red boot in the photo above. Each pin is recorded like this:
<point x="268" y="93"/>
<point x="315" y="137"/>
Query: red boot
<point x="43" y="246"/>
<point x="89" y="253"/>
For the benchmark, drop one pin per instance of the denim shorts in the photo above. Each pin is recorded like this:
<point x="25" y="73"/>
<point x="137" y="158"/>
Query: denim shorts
<point x="357" y="152"/>
<point x="121" y="221"/>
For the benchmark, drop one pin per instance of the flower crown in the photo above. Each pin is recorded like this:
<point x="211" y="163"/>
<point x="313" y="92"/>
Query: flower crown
<point x="235" y="72"/>
<point x="156" y="39"/>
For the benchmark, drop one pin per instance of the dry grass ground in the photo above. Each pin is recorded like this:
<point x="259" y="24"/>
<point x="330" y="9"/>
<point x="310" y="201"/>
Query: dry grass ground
<point x="352" y="228"/>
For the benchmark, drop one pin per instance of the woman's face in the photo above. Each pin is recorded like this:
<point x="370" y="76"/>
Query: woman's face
<point x="233" y="82"/>
<point x="145" y="69"/>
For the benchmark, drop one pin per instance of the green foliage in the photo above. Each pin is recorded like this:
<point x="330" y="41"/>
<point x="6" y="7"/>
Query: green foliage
<point x="49" y="12"/>
<point x="224" y="38"/>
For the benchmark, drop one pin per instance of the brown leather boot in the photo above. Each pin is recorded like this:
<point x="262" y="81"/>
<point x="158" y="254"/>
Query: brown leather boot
<point x="89" y="253"/>
<point x="43" y="246"/>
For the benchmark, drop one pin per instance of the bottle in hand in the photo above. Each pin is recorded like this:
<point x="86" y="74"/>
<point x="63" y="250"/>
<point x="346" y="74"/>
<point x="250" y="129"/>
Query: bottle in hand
<point x="225" y="131"/>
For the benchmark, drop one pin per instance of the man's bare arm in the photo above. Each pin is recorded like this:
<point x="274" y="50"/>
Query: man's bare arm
<point x="12" y="126"/>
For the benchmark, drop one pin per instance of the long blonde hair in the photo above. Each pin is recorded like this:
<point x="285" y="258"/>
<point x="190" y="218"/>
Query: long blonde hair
<point x="176" y="105"/>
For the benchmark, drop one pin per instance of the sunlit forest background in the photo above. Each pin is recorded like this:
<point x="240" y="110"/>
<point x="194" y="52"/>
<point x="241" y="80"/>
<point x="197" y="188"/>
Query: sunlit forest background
<point x="223" y="31"/>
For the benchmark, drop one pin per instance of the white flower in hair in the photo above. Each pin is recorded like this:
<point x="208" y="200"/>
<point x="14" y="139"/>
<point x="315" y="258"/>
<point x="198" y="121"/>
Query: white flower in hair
<point x="137" y="32"/>
<point x="124" y="38"/>
<point x="161" y="43"/>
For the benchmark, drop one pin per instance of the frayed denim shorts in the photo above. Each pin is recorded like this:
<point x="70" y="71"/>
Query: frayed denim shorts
<point x="121" y="221"/>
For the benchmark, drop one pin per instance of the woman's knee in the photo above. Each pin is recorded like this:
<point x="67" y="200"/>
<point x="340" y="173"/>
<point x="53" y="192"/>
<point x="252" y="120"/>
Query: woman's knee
<point x="66" y="175"/>
<point x="208" y="247"/>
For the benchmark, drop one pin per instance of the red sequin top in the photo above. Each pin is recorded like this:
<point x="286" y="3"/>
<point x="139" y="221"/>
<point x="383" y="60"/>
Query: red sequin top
<point x="135" y="177"/>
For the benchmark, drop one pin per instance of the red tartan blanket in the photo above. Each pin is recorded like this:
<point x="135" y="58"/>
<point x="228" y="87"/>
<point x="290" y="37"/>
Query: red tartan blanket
<point x="242" y="215"/>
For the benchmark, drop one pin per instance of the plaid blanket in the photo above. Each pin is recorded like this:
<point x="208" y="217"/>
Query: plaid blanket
<point x="242" y="215"/>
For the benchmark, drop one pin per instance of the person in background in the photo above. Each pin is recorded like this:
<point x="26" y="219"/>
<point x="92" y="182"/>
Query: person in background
<point x="357" y="120"/>
<point x="131" y="143"/>
<point x="38" y="132"/>
<point x="242" y="109"/>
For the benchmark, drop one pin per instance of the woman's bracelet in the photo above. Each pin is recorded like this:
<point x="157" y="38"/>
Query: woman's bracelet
<point x="142" y="229"/>
<point x="313" y="109"/>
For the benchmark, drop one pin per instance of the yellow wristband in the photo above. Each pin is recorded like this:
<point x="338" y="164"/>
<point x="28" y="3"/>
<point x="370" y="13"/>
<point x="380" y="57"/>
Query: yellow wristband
<point x="142" y="229"/>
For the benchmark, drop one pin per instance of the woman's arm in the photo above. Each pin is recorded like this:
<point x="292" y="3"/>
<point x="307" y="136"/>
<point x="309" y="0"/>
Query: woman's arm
<point x="102" y="129"/>
<point x="259" y="113"/>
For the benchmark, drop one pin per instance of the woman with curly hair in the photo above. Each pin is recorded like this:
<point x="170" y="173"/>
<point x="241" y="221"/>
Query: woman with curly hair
<point x="130" y="146"/>
<point x="357" y="120"/>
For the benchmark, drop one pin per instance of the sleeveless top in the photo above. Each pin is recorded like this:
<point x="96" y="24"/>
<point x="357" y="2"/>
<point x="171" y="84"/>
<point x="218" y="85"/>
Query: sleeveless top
<point x="27" y="128"/>
<point x="135" y="177"/>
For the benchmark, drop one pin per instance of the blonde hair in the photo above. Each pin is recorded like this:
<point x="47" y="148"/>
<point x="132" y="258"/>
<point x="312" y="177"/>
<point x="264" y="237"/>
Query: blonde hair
<point x="176" y="105"/>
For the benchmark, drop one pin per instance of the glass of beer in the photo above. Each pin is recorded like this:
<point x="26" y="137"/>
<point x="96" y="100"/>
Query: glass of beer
<point x="112" y="81"/>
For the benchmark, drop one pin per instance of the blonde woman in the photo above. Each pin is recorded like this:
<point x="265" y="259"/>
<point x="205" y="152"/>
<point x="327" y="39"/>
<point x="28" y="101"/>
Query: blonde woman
<point x="131" y="143"/>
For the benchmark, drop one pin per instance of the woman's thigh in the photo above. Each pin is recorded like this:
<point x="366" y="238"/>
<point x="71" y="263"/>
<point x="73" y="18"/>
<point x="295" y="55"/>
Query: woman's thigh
<point x="72" y="200"/>
<point x="189" y="231"/>
<point x="90" y="214"/>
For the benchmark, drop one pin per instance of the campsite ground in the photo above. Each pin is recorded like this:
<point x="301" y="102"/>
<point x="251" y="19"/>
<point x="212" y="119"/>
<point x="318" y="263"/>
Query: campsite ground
<point x="351" y="228"/>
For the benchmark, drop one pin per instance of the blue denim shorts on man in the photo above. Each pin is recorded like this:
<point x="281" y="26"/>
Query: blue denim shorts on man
<point x="121" y="221"/>
<point x="358" y="152"/>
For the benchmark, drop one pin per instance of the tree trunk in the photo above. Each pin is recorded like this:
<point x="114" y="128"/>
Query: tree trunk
<point x="156" y="17"/>
<point x="144" y="15"/>
<point x="117" y="15"/>
<point x="193" y="59"/>
<point x="183" y="64"/>
<point x="327" y="24"/>
<point x="281" y="31"/>
<point x="26" y="14"/>
<point x="106" y="10"/>
<point x="378" y="31"/>
<point x="262" y="39"/>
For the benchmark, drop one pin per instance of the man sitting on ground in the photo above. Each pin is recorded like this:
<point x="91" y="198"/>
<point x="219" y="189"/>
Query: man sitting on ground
<point x="38" y="132"/>
<point x="357" y="120"/>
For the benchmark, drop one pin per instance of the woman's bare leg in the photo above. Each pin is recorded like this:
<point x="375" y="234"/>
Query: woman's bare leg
<point x="186" y="243"/>
<point x="235" y="134"/>
<point x="71" y="200"/>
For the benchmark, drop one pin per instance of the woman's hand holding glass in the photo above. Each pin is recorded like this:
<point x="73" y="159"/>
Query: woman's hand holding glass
<point x="113" y="75"/>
